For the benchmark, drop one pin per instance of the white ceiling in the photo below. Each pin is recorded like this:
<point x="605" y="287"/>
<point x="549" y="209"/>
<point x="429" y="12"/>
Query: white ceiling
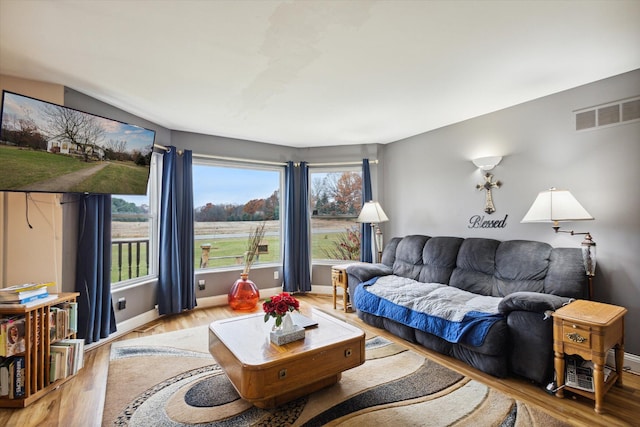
<point x="317" y="73"/>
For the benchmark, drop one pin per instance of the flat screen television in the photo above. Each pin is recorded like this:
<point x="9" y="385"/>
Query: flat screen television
<point x="46" y="147"/>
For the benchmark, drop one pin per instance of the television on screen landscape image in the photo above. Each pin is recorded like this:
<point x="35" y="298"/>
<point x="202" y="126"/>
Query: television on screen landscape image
<point x="45" y="147"/>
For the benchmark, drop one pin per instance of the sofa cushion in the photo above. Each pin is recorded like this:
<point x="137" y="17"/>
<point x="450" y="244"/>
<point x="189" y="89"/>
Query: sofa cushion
<point x="476" y="266"/>
<point x="535" y="302"/>
<point x="439" y="259"/>
<point x="491" y="267"/>
<point x="423" y="258"/>
<point x="389" y="252"/>
<point x="409" y="256"/>
<point x="521" y="266"/>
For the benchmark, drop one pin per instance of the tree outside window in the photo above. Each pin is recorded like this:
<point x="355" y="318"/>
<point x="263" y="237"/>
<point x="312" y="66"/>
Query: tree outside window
<point x="336" y="200"/>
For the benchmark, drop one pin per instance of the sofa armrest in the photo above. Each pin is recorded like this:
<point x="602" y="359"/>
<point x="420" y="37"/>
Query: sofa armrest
<point x="363" y="272"/>
<point x="358" y="273"/>
<point x="532" y="301"/>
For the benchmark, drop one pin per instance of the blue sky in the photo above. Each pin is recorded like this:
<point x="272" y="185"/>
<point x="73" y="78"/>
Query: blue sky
<point x="222" y="185"/>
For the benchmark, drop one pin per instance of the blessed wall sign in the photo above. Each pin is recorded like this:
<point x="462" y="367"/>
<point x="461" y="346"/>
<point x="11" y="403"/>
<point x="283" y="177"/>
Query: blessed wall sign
<point x="479" y="221"/>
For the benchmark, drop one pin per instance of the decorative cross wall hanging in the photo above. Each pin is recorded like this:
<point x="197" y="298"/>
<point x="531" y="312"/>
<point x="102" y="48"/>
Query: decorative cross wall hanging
<point x="487" y="186"/>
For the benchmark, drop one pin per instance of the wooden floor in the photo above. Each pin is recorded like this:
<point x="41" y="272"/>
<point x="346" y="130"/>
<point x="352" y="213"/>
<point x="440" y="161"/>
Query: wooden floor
<point x="79" y="402"/>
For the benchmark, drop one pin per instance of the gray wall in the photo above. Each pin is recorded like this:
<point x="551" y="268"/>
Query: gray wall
<point x="429" y="185"/>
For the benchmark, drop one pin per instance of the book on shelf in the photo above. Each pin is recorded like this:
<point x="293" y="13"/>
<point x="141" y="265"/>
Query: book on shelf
<point x="16" y="377"/>
<point x="73" y="316"/>
<point x="27" y="287"/>
<point x="27" y="299"/>
<point x="63" y="320"/>
<point x="24" y="296"/>
<point x="43" y="298"/>
<point x="66" y="358"/>
<point x="5" y="365"/>
<point x="12" y="379"/>
<point x="77" y="346"/>
<point x="24" y="290"/>
<point x="59" y="367"/>
<point x="12" y="336"/>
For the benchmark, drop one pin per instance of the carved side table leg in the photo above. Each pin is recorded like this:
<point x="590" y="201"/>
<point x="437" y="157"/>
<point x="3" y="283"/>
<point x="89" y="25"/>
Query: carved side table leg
<point x="619" y="353"/>
<point x="559" y="367"/>
<point x="598" y="381"/>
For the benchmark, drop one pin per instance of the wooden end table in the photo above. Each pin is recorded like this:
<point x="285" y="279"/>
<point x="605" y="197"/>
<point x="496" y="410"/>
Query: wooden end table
<point x="589" y="329"/>
<point x="340" y="279"/>
<point x="269" y="375"/>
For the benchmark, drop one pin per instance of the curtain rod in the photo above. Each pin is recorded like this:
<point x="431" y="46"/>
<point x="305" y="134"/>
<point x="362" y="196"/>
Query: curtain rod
<point x="231" y="159"/>
<point x="375" y="162"/>
<point x="264" y="162"/>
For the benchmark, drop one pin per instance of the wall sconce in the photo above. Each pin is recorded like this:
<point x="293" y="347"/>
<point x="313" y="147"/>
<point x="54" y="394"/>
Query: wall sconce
<point x="373" y="214"/>
<point x="559" y="205"/>
<point x="487" y="163"/>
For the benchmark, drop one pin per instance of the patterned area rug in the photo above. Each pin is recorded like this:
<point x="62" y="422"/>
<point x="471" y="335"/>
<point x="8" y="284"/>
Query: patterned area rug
<point x="172" y="380"/>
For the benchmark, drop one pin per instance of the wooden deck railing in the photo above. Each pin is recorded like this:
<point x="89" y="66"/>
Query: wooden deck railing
<point x="130" y="257"/>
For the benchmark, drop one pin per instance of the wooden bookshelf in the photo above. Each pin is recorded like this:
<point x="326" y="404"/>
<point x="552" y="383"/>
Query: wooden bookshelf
<point x="37" y="342"/>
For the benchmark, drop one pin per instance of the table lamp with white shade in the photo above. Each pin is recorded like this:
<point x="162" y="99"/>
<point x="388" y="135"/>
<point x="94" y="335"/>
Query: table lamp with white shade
<point x="373" y="214"/>
<point x="557" y="206"/>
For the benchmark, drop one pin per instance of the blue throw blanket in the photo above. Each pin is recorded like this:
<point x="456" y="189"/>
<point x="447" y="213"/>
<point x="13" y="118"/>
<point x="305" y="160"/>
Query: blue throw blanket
<point x="453" y="314"/>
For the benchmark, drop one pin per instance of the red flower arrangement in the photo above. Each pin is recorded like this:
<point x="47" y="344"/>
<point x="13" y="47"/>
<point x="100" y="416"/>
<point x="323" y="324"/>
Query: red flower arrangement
<point x="279" y="305"/>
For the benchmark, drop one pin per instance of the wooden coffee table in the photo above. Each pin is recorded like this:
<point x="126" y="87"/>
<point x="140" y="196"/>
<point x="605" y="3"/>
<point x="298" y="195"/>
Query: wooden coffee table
<point x="269" y="375"/>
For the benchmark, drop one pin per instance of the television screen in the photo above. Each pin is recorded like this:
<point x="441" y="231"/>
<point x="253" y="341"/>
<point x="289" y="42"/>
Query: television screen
<point x="46" y="147"/>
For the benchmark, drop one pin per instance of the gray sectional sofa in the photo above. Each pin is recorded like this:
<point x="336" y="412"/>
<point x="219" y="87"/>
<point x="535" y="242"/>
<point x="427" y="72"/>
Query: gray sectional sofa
<point x="498" y="294"/>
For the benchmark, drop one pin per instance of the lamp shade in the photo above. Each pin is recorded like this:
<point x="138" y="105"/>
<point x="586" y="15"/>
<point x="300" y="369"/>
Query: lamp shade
<point x="372" y="213"/>
<point x="556" y="205"/>
<point x="487" y="163"/>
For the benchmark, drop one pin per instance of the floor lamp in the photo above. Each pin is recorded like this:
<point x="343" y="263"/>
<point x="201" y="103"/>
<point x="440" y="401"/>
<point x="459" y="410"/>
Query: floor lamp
<point x="559" y="205"/>
<point x="373" y="214"/>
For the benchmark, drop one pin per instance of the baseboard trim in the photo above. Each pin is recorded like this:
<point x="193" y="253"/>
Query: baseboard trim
<point x="218" y="300"/>
<point x="631" y="361"/>
<point x="322" y="289"/>
<point x="127" y="326"/>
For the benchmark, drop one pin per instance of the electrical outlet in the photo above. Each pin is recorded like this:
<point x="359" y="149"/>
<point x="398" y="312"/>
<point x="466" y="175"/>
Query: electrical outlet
<point x="201" y="284"/>
<point x="276" y="275"/>
<point x="122" y="303"/>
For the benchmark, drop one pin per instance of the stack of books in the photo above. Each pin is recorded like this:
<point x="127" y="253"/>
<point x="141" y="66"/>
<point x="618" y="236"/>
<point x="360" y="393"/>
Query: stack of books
<point x="22" y="294"/>
<point x="66" y="358"/>
<point x="12" y="381"/>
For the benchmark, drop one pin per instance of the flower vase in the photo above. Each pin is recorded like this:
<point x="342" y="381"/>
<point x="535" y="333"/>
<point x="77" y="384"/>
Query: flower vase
<point x="244" y="294"/>
<point x="287" y="331"/>
<point x="285" y="326"/>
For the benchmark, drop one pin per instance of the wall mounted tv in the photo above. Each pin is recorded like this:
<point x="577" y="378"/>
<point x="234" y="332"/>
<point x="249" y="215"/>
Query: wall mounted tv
<point x="46" y="147"/>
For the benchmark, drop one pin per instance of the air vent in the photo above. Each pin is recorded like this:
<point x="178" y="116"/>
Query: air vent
<point x="611" y="114"/>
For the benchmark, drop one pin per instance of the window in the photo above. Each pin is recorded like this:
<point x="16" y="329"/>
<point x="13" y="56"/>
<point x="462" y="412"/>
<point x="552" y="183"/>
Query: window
<point x="336" y="200"/>
<point x="134" y="231"/>
<point x="230" y="201"/>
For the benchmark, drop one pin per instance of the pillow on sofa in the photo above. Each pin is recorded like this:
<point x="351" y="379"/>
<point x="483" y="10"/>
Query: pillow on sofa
<point x="531" y="301"/>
